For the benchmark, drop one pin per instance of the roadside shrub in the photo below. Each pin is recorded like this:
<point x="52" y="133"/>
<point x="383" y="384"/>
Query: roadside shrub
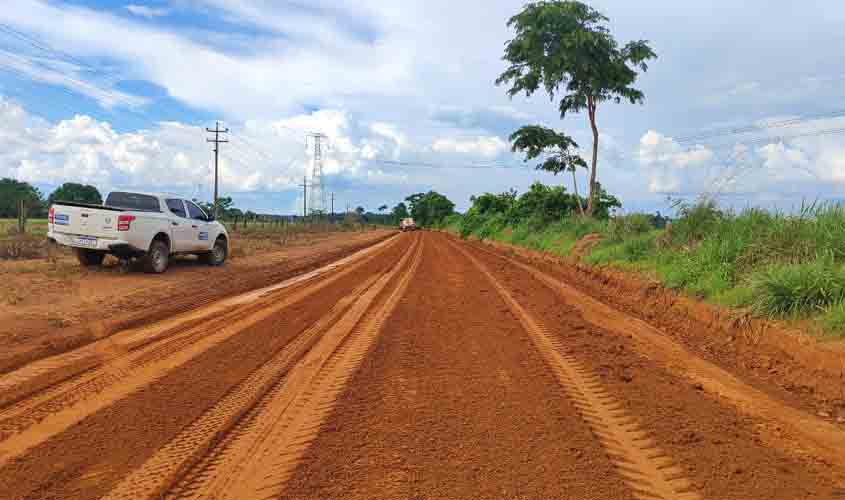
<point x="491" y="226"/>
<point x="625" y="226"/>
<point x="797" y="289"/>
<point x="695" y="222"/>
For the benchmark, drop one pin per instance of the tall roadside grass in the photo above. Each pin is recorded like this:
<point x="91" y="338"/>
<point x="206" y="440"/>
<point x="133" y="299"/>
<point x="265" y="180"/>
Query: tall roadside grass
<point x="774" y="264"/>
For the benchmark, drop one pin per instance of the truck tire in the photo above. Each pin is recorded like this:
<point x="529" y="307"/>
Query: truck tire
<point x="157" y="258"/>
<point x="217" y="255"/>
<point x="89" y="257"/>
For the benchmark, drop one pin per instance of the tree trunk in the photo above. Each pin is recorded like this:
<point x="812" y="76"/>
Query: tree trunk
<point x="591" y="107"/>
<point x="577" y="196"/>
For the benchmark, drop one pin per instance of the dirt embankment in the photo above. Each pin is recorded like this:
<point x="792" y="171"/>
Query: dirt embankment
<point x="795" y="367"/>
<point x="52" y="308"/>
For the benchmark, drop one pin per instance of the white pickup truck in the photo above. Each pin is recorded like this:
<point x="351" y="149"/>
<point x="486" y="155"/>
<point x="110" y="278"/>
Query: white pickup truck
<point x="407" y="224"/>
<point x="148" y="226"/>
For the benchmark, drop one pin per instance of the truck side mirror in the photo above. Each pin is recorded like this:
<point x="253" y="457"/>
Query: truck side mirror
<point x="209" y="218"/>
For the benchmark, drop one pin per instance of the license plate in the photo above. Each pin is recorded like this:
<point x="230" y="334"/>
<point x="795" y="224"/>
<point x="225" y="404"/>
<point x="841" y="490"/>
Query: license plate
<point x="85" y="241"/>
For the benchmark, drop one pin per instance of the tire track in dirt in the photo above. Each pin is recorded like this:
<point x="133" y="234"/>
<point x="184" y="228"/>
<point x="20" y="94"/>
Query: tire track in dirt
<point x="90" y="458"/>
<point x="454" y="403"/>
<point x="812" y="435"/>
<point x="277" y="411"/>
<point x="160" y="297"/>
<point x="650" y="473"/>
<point x="48" y="372"/>
<point x="724" y="452"/>
<point x="30" y="422"/>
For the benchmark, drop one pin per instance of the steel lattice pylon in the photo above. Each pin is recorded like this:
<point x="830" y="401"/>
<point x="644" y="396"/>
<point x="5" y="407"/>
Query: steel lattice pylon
<point x="317" y="203"/>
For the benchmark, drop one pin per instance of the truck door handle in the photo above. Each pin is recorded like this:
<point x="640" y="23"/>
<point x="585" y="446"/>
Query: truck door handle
<point x="193" y="227"/>
<point x="175" y="223"/>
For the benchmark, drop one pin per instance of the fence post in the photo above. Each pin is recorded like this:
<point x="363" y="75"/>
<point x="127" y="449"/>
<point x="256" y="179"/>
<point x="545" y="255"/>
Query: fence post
<point x="22" y="216"/>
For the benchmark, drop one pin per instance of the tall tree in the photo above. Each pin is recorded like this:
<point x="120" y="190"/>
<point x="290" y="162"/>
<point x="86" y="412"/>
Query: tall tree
<point x="400" y="211"/>
<point x="557" y="148"/>
<point x="565" y="47"/>
<point x="79" y="193"/>
<point x="429" y="208"/>
<point x="12" y="191"/>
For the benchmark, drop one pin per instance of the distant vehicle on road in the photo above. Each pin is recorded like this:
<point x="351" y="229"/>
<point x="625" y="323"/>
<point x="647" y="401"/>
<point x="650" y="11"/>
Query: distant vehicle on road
<point x="408" y="224"/>
<point x="147" y="226"/>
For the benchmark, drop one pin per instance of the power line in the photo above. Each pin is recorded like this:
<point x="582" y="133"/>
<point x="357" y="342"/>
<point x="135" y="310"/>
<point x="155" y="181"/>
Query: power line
<point x="759" y="128"/>
<point x="779" y="138"/>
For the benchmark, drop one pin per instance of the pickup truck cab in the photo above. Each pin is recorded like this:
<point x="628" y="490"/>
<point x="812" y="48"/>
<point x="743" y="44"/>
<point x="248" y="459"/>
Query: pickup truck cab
<point x="148" y="226"/>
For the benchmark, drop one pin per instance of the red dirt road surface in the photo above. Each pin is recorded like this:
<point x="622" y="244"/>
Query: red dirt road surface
<point x="415" y="367"/>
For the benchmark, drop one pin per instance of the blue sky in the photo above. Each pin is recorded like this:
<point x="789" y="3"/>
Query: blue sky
<point x="118" y="93"/>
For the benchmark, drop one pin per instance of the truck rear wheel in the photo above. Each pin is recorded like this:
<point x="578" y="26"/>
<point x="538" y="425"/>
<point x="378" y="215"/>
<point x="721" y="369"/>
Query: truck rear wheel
<point x="89" y="257"/>
<point x="157" y="258"/>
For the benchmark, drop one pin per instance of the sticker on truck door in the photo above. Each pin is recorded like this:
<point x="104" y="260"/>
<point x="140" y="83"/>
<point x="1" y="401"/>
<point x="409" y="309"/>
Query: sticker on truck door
<point x="203" y="236"/>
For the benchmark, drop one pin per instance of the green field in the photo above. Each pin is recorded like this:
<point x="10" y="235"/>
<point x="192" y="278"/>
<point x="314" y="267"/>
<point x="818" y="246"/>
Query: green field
<point x="35" y="227"/>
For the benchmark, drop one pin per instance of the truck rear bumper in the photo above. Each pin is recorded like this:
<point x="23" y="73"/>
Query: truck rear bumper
<point x="119" y="248"/>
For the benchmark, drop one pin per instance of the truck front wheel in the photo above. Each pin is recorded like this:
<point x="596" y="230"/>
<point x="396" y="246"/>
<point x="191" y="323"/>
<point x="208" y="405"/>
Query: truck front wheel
<point x="89" y="257"/>
<point x="157" y="257"/>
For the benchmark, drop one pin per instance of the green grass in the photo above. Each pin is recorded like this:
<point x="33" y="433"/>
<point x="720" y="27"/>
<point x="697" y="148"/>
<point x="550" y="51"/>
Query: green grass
<point x="35" y="227"/>
<point x="779" y="266"/>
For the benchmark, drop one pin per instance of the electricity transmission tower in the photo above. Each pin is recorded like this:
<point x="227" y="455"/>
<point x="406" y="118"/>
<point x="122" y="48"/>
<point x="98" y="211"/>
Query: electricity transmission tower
<point x="318" y="191"/>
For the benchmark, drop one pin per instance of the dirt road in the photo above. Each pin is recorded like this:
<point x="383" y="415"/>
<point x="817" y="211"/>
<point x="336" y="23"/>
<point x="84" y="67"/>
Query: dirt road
<point x="421" y="367"/>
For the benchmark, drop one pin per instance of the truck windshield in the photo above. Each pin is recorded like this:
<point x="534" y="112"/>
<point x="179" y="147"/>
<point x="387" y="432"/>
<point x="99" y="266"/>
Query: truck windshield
<point x="133" y="201"/>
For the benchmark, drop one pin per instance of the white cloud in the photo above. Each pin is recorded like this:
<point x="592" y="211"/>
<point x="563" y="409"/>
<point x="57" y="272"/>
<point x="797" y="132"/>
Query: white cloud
<point x="65" y="74"/>
<point x="148" y="12"/>
<point x="487" y="147"/>
<point x="260" y="156"/>
<point x="658" y="149"/>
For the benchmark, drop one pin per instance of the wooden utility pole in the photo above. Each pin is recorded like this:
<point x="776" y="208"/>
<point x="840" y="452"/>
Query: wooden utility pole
<point x="217" y="141"/>
<point x="304" y="197"/>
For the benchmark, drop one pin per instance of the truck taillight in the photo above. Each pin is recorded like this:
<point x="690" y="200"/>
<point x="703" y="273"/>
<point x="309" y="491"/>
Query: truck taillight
<point x="51" y="215"/>
<point x="124" y="221"/>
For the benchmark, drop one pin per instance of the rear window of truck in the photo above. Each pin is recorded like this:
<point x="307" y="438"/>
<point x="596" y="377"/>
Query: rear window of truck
<point x="133" y="201"/>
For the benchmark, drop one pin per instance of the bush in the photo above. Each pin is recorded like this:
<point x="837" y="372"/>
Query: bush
<point x="625" y="226"/>
<point x="695" y="222"/>
<point x="798" y="289"/>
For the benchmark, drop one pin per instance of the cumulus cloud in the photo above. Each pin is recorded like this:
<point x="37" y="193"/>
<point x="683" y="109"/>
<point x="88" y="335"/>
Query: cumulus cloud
<point x="658" y="149"/>
<point x="260" y="156"/>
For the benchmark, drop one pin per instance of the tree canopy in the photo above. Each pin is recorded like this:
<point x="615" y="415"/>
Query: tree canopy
<point x="557" y="149"/>
<point x="12" y="191"/>
<point x="429" y="208"/>
<point x="400" y="211"/>
<point x="79" y="193"/>
<point x="565" y="48"/>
